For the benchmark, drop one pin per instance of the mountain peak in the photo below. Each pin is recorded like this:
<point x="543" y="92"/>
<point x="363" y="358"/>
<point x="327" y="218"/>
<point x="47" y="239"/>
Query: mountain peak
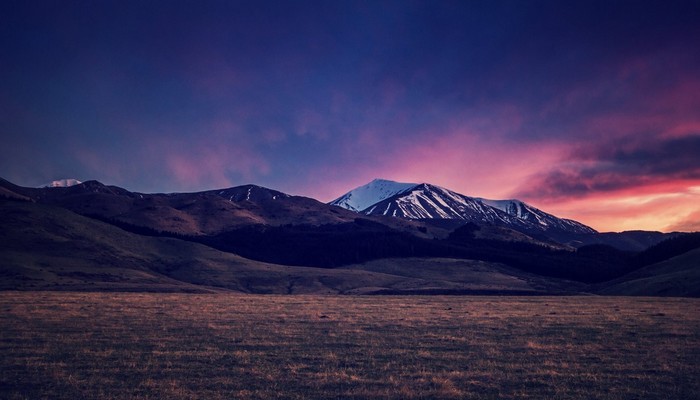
<point x="366" y="195"/>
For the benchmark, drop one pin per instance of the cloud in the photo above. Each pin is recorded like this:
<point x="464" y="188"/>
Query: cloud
<point x="659" y="208"/>
<point x="210" y="165"/>
<point x="649" y="185"/>
<point x="172" y="158"/>
<point x="467" y="153"/>
<point x="689" y="223"/>
<point x="617" y="166"/>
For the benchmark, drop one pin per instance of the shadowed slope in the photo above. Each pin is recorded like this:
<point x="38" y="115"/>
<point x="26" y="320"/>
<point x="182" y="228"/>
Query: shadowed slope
<point x="43" y="247"/>
<point x="678" y="276"/>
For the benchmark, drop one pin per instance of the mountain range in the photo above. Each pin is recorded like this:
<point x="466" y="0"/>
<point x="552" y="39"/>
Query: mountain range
<point x="383" y="237"/>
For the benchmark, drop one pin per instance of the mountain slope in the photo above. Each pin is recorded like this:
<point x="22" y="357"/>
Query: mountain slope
<point x="6" y="193"/>
<point x="677" y="276"/>
<point x="43" y="247"/>
<point x="272" y="228"/>
<point x="537" y="217"/>
<point x="200" y="213"/>
<point x="428" y="201"/>
<point x="627" y="240"/>
<point x="47" y="247"/>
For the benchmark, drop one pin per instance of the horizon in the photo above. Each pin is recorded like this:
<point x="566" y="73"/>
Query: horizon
<point x="587" y="110"/>
<point x="49" y="185"/>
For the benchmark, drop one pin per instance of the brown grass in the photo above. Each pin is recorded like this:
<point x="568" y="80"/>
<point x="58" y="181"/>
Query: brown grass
<point x="220" y="346"/>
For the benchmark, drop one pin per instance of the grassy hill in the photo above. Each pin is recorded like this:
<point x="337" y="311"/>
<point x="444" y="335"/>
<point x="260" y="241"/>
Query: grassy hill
<point x="44" y="247"/>
<point x="677" y="276"/>
<point x="48" y="247"/>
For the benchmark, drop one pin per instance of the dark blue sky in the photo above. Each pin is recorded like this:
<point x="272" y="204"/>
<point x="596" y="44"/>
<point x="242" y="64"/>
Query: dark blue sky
<point x="588" y="109"/>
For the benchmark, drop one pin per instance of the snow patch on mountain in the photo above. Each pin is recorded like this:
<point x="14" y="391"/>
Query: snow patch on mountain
<point x="251" y="193"/>
<point x="365" y="196"/>
<point x="62" y="183"/>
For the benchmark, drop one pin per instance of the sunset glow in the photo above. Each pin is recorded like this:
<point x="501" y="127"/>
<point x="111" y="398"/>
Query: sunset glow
<point x="588" y="110"/>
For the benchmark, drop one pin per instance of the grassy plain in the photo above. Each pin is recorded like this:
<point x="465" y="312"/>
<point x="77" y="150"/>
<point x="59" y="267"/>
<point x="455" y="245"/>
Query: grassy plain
<point x="223" y="346"/>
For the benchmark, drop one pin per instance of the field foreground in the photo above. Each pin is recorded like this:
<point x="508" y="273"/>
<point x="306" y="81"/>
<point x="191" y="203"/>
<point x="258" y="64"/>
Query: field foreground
<point x="221" y="346"/>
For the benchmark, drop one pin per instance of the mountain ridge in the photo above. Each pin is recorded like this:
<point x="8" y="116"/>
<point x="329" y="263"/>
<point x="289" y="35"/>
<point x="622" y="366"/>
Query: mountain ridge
<point x="45" y="247"/>
<point x="427" y="201"/>
<point x="195" y="213"/>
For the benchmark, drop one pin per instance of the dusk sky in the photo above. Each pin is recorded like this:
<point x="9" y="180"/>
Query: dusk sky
<point x="586" y="109"/>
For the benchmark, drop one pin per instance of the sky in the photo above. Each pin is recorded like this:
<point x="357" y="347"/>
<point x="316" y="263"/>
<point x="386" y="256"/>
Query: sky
<point x="586" y="109"/>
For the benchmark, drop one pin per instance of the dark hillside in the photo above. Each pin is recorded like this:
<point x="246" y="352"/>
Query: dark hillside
<point x="594" y="264"/>
<point x="668" y="248"/>
<point x="43" y="247"/>
<point x="326" y="246"/>
<point x="362" y="240"/>
<point x="676" y="276"/>
<point x="626" y="241"/>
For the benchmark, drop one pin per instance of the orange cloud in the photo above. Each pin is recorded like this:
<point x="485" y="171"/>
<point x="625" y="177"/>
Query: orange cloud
<point x="667" y="207"/>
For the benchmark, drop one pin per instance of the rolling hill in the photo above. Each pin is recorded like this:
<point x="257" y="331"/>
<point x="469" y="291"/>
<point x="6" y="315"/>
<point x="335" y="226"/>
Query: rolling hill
<point x="91" y="236"/>
<point x="44" y="247"/>
<point x="677" y="276"/>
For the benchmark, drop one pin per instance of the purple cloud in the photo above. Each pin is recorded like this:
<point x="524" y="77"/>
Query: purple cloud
<point x="612" y="167"/>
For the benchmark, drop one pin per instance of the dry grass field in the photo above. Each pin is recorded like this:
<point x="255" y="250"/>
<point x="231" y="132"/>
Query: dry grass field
<point x="221" y="346"/>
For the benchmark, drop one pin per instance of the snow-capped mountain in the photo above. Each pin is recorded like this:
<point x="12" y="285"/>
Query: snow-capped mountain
<point x="364" y="196"/>
<point x="426" y="201"/>
<point x="63" y="183"/>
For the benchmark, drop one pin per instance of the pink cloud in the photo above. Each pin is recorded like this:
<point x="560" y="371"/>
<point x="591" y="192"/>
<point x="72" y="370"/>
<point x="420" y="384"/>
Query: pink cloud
<point x="689" y="223"/>
<point x="626" y="181"/>
<point x="471" y="155"/>
<point x="210" y="166"/>
<point x="664" y="209"/>
<point x="219" y="156"/>
<point x="474" y="165"/>
<point x="104" y="168"/>
<point x="210" y="160"/>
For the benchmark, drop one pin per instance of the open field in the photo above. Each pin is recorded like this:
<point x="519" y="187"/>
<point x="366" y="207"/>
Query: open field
<point x="223" y="346"/>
